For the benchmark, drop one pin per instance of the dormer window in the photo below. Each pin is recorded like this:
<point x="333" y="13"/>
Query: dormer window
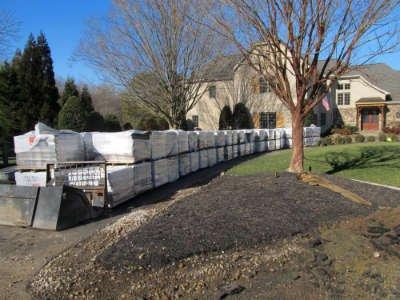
<point x="212" y="91"/>
<point x="264" y="88"/>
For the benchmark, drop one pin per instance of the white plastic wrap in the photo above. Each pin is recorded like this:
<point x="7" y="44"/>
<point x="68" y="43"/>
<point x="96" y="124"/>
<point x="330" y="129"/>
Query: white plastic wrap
<point x="219" y="138"/>
<point x="241" y="136"/>
<point x="142" y="178"/>
<point x="270" y="134"/>
<point x="235" y="151"/>
<point x="220" y="154"/>
<point x="127" y="147"/>
<point x="184" y="164"/>
<point x="173" y="168"/>
<point x="260" y="135"/>
<point x="183" y="140"/>
<point x="312" y="131"/>
<point x="260" y="147"/>
<point x="203" y="159"/>
<point x="247" y="149"/>
<point x="206" y="139"/>
<point x="228" y="137"/>
<point x="242" y="150"/>
<point x="228" y="152"/>
<point x="252" y="148"/>
<point x="235" y="137"/>
<point x="250" y="134"/>
<point x="163" y="144"/>
<point x="212" y="157"/>
<point x="194" y="161"/>
<point x="193" y="138"/>
<point x="160" y="172"/>
<point x="30" y="178"/>
<point x="120" y="187"/>
<point x="35" y="149"/>
<point x="271" y="145"/>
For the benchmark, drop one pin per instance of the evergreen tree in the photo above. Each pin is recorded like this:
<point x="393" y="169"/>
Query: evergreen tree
<point x="70" y="90"/>
<point x="242" y="117"/>
<point x="38" y="91"/>
<point x="225" y="118"/>
<point x="72" y="115"/>
<point x="49" y="108"/>
<point x="111" y="123"/>
<point x="94" y="122"/>
<point x="86" y="99"/>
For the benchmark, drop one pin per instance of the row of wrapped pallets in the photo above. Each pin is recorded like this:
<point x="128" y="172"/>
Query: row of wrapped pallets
<point x="139" y="161"/>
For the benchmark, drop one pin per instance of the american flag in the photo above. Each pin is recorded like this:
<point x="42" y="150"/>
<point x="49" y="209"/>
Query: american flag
<point x="325" y="103"/>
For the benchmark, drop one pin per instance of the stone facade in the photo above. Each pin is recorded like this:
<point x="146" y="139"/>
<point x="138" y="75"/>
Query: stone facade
<point x="393" y="115"/>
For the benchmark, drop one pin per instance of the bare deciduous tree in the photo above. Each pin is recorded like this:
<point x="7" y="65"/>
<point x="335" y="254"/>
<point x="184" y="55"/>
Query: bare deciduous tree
<point x="8" y="31"/>
<point x="285" y="41"/>
<point x="155" y="50"/>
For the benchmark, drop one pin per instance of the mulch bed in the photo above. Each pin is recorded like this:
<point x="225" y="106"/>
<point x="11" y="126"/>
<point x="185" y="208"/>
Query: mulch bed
<point x="235" y="212"/>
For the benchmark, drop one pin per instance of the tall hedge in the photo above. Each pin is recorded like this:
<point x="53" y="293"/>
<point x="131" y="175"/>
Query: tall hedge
<point x="242" y="117"/>
<point x="225" y="118"/>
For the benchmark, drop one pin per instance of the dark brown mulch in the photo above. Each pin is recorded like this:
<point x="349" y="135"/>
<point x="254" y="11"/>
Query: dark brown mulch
<point x="236" y="212"/>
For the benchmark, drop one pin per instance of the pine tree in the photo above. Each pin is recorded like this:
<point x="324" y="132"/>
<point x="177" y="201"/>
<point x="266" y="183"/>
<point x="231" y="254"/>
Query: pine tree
<point x="242" y="117"/>
<point x="86" y="99"/>
<point x="94" y="122"/>
<point x="225" y="118"/>
<point x="70" y="90"/>
<point x="72" y="115"/>
<point x="50" y="108"/>
<point x="111" y="123"/>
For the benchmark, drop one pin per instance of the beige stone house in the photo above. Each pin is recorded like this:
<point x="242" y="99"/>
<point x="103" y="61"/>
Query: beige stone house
<point x="367" y="97"/>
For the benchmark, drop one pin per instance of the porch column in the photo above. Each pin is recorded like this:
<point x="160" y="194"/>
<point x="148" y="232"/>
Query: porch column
<point x="383" y="117"/>
<point x="357" y="117"/>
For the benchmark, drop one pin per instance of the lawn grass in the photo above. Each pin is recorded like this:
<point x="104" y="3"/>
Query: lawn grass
<point x="374" y="162"/>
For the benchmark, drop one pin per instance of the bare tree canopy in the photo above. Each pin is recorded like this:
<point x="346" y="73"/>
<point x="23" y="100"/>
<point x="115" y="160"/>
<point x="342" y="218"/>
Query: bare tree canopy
<point x="155" y="50"/>
<point x="301" y="46"/>
<point x="8" y="31"/>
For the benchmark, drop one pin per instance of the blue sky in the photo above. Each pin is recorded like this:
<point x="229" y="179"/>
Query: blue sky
<point x="62" y="21"/>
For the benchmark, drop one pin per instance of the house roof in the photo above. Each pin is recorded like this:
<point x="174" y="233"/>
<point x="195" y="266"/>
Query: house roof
<point x="380" y="75"/>
<point x="221" y="68"/>
<point x="370" y="100"/>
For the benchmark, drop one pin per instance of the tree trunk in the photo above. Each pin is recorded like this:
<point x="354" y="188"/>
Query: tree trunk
<point x="297" y="161"/>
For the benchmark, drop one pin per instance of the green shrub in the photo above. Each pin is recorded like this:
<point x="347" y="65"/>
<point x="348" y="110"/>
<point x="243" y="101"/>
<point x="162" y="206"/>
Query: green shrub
<point x="339" y="140"/>
<point x="242" y="117"/>
<point x="326" y="141"/>
<point x="371" y="138"/>
<point x="382" y="137"/>
<point x="347" y="139"/>
<point x="352" y="128"/>
<point x="359" y="138"/>
<point x="392" y="138"/>
<point x="225" y="118"/>
<point x="94" y="122"/>
<point x="111" y="123"/>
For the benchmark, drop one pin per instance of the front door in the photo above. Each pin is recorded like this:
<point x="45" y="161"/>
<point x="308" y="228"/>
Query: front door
<point x="370" y="119"/>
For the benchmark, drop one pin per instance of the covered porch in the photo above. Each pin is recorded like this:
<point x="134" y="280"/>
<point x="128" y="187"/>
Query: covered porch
<point x="371" y="114"/>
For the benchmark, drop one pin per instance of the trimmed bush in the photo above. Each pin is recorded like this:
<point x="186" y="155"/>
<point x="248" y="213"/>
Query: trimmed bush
<point x="382" y="137"/>
<point x="326" y="141"/>
<point x="225" y="118"/>
<point x="359" y="138"/>
<point x="339" y="140"/>
<point x="347" y="139"/>
<point x="371" y="138"/>
<point x="392" y="138"/>
<point x="242" y="117"/>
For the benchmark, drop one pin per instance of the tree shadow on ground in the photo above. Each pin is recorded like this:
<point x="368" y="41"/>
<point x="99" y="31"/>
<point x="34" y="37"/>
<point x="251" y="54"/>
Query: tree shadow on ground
<point x="368" y="157"/>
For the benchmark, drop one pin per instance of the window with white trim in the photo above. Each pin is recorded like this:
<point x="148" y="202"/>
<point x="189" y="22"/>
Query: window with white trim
<point x="340" y="99"/>
<point x="347" y="99"/>
<point x="212" y="91"/>
<point x="195" y="120"/>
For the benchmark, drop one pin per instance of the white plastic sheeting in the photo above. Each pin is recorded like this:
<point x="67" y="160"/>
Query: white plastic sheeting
<point x="193" y="139"/>
<point x="120" y="187"/>
<point x="184" y="164"/>
<point x="126" y="147"/>
<point x="271" y="145"/>
<point x="173" y="168"/>
<point x="228" y="152"/>
<point x="228" y="137"/>
<point x="242" y="149"/>
<point x="163" y="144"/>
<point x="159" y="170"/>
<point x="206" y="139"/>
<point x="247" y="149"/>
<point x="194" y="161"/>
<point x="260" y="135"/>
<point x="219" y="138"/>
<point x="203" y="159"/>
<point x="241" y="136"/>
<point x="142" y="179"/>
<point x="235" y="137"/>
<point x="235" y="151"/>
<point x="183" y="140"/>
<point x="220" y="154"/>
<point x="45" y="145"/>
<point x="260" y="146"/>
<point x="31" y="178"/>
<point x="212" y="157"/>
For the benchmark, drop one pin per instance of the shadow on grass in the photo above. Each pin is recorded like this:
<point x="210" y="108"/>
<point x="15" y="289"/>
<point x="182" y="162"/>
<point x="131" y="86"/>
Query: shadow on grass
<point x="368" y="157"/>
